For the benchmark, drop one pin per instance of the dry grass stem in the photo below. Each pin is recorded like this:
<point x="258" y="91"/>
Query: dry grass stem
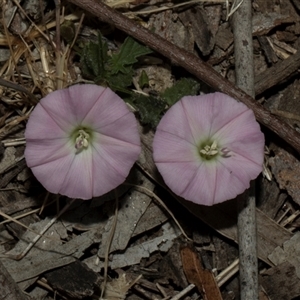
<point x="228" y="273"/>
<point x="171" y="6"/>
<point x="183" y="292"/>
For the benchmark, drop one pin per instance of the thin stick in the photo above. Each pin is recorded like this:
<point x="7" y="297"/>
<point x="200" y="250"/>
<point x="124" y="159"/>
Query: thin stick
<point x="11" y="219"/>
<point x="191" y="63"/>
<point x="228" y="272"/>
<point x="38" y="236"/>
<point x="111" y="237"/>
<point x="19" y="88"/>
<point x="243" y="50"/>
<point x="183" y="292"/>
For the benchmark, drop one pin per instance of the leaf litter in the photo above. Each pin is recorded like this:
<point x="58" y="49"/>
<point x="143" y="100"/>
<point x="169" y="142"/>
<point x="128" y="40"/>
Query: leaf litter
<point x="35" y="61"/>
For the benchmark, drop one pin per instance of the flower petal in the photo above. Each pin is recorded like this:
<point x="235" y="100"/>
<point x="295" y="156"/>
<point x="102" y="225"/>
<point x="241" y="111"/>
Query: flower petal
<point x="85" y="98"/>
<point x="199" y="114"/>
<point x="79" y="180"/>
<point x="53" y="173"/>
<point x="106" y="175"/>
<point x="39" y="152"/>
<point x="202" y="186"/>
<point x="68" y="107"/>
<point x="177" y="114"/>
<point x="243" y="136"/>
<point x="177" y="176"/>
<point x="41" y="125"/>
<point x="108" y="108"/>
<point x="233" y="179"/>
<point x="118" y="154"/>
<point x="171" y="148"/>
<point x="226" y="109"/>
<point x="129" y="132"/>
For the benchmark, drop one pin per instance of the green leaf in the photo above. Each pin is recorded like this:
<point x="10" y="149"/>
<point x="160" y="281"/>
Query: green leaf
<point x="115" y="71"/>
<point x="94" y="58"/>
<point x="120" y="80"/>
<point x="183" y="87"/>
<point x="127" y="56"/>
<point x="67" y="31"/>
<point x="149" y="108"/>
<point x="143" y="80"/>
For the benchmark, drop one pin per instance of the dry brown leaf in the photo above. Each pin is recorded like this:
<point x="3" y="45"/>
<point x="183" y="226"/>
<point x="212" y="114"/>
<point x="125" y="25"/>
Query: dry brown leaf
<point x="203" y="279"/>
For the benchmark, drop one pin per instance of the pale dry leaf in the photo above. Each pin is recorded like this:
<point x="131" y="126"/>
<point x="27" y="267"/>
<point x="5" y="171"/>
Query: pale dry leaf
<point x="132" y="207"/>
<point x="134" y="254"/>
<point x="290" y="252"/>
<point x="40" y="260"/>
<point x="8" y="160"/>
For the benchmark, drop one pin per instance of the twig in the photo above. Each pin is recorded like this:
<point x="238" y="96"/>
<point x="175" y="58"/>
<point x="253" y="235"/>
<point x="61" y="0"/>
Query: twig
<point x="38" y="236"/>
<point x="277" y="73"/>
<point x="173" y="6"/>
<point x="191" y="63"/>
<point x="183" y="292"/>
<point x="111" y="237"/>
<point x="227" y="273"/>
<point x="243" y="51"/>
<point x="19" y="88"/>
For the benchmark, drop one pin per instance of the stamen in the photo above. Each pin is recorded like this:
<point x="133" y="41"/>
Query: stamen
<point x="225" y="152"/>
<point x="210" y="150"/>
<point x="82" y="140"/>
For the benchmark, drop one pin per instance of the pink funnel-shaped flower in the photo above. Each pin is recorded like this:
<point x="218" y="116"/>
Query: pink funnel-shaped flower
<point x="208" y="148"/>
<point x="81" y="141"/>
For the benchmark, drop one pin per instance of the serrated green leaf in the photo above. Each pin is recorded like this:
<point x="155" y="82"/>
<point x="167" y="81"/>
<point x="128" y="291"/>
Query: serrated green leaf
<point x="183" y="87"/>
<point x="120" y="80"/>
<point x="127" y="56"/>
<point x="94" y="57"/>
<point x="149" y="108"/>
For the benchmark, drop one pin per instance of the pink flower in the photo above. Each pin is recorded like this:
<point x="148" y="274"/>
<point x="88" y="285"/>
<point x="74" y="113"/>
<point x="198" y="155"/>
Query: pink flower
<point x="81" y="141"/>
<point x="208" y="148"/>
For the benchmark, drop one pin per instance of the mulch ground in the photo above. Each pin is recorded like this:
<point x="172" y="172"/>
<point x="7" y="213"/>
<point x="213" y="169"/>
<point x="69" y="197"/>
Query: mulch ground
<point x="154" y="246"/>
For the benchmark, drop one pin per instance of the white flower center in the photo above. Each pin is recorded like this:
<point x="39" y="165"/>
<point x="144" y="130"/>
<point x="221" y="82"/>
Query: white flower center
<point x="210" y="150"/>
<point x="82" y="140"/>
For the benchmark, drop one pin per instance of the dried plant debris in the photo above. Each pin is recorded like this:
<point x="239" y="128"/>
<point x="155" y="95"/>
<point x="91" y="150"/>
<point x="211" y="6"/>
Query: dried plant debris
<point x="48" y="253"/>
<point x="133" y="206"/>
<point x="117" y="289"/>
<point x="196" y="274"/>
<point x="81" y="281"/>
<point x="134" y="253"/>
<point x="202" y="33"/>
<point x="9" y="288"/>
<point x="285" y="168"/>
<point x="172" y="29"/>
<point x="289" y="252"/>
<point x="281" y="282"/>
<point x="43" y="48"/>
